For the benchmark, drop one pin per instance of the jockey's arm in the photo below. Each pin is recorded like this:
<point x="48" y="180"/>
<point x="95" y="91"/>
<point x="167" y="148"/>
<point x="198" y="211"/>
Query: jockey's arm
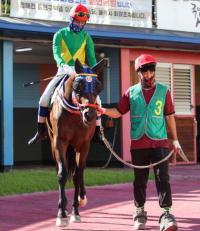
<point x="90" y="51"/>
<point x="57" y="38"/>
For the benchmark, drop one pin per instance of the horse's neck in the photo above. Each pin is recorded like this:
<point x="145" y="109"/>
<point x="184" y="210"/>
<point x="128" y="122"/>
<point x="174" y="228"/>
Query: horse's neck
<point x="67" y="93"/>
<point x="68" y="88"/>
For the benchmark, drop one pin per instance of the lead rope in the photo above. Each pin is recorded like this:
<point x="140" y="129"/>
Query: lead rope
<point x="113" y="143"/>
<point x="107" y="144"/>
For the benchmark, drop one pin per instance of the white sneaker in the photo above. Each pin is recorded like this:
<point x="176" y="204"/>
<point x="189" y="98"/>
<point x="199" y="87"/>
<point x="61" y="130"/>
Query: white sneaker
<point x="167" y="222"/>
<point x="140" y="219"/>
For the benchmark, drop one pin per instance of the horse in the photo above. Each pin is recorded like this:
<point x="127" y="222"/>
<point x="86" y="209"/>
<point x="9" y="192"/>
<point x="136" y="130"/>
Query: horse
<point x="72" y="123"/>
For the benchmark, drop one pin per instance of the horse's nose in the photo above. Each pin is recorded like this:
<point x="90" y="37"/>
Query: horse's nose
<point x="90" y="115"/>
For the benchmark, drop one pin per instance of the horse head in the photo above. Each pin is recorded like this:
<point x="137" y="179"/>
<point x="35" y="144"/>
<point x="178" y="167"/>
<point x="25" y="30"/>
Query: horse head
<point x="85" y="89"/>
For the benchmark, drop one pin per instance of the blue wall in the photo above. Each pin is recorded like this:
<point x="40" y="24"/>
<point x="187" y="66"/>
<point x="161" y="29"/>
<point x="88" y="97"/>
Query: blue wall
<point x="26" y="97"/>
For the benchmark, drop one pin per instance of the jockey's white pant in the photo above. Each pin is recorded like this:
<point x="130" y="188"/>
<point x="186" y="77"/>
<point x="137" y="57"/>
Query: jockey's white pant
<point x="45" y="98"/>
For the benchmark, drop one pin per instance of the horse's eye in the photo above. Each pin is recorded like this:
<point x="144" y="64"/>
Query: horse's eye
<point x="98" y="86"/>
<point x="78" y="86"/>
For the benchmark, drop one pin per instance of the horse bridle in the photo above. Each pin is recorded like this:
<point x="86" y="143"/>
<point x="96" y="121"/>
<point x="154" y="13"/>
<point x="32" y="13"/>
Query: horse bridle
<point x="75" y="99"/>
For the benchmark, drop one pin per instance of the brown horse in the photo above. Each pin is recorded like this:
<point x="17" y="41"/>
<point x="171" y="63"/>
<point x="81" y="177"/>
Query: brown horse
<point x="72" y="124"/>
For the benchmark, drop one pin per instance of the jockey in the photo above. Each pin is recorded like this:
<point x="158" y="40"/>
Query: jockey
<point x="69" y="43"/>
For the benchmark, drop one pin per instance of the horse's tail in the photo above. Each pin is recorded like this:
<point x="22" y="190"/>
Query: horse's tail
<point x="71" y="163"/>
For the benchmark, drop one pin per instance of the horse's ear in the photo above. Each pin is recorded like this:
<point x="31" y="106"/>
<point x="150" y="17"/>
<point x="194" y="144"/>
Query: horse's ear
<point x="78" y="66"/>
<point x="100" y="65"/>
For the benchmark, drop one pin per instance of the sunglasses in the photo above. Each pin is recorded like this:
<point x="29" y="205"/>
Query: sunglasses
<point x="148" y="67"/>
<point x="82" y="14"/>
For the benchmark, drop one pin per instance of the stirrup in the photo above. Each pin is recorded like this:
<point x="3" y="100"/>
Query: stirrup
<point x="41" y="134"/>
<point x="38" y="137"/>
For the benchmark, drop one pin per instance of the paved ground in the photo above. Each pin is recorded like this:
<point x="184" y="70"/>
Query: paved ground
<point x="109" y="209"/>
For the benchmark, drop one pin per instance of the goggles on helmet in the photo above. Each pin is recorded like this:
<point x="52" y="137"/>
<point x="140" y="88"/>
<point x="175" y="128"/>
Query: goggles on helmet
<point x="82" y="14"/>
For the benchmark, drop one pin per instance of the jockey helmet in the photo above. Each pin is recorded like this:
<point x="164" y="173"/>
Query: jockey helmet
<point x="79" y="12"/>
<point x="143" y="60"/>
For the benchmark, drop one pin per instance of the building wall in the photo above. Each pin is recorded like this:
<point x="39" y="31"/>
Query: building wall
<point x="25" y="97"/>
<point x="25" y="112"/>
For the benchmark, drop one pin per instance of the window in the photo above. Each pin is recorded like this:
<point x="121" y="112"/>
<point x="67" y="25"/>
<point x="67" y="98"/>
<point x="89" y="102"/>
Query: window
<point x="164" y="73"/>
<point x="178" y="77"/>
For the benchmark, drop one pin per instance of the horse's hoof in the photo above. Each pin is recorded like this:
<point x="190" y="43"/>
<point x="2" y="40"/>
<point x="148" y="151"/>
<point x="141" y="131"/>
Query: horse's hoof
<point x="75" y="218"/>
<point x="82" y="202"/>
<point x="61" y="222"/>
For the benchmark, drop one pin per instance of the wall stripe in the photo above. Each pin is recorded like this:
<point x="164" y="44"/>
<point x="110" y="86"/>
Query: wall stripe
<point x="7" y="103"/>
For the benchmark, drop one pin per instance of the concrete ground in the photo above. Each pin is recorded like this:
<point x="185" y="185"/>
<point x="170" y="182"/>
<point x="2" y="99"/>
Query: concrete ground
<point x="110" y="207"/>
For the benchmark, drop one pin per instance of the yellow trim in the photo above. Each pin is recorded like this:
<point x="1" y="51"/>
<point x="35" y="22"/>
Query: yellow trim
<point x="80" y="54"/>
<point x="66" y="55"/>
<point x="86" y="74"/>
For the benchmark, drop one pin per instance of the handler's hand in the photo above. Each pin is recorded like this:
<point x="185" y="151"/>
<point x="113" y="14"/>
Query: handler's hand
<point x="176" y="146"/>
<point x="101" y="110"/>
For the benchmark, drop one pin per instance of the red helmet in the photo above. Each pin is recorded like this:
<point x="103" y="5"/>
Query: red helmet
<point x="144" y="59"/>
<point x="79" y="12"/>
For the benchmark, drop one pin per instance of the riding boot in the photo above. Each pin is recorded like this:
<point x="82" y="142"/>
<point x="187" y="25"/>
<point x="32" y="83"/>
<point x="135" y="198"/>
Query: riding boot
<point x="41" y="134"/>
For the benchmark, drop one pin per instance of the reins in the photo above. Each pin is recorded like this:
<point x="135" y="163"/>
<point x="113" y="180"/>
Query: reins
<point x="108" y="145"/>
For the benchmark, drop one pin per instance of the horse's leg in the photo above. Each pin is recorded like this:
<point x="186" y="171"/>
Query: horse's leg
<point x="82" y="193"/>
<point x="75" y="217"/>
<point x="62" y="219"/>
<point x="79" y="189"/>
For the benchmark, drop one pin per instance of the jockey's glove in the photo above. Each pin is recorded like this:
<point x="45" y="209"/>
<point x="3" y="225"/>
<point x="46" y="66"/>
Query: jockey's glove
<point x="176" y="146"/>
<point x="68" y="69"/>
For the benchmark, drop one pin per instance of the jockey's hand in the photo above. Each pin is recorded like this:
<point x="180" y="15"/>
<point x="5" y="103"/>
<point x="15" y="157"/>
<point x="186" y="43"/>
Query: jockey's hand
<point x="68" y="69"/>
<point x="176" y="146"/>
<point x="71" y="79"/>
<point x="73" y="76"/>
<point x="101" y="110"/>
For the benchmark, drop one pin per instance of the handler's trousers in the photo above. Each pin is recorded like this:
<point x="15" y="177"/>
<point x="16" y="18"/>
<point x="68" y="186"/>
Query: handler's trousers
<point x="145" y="157"/>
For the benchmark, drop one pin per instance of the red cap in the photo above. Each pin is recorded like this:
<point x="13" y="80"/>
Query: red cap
<point x="79" y="12"/>
<point x="144" y="59"/>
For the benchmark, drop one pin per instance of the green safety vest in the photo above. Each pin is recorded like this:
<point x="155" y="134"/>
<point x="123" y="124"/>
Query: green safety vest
<point x="148" y="118"/>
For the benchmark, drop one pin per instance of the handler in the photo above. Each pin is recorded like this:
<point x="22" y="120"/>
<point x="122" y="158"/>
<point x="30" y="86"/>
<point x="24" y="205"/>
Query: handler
<point x="151" y="110"/>
<point x="69" y="43"/>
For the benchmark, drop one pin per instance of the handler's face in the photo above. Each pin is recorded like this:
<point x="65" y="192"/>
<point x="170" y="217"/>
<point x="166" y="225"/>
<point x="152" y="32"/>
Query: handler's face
<point x="147" y="75"/>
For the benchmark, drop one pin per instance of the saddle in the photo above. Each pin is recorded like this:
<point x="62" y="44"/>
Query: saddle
<point x="59" y="94"/>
